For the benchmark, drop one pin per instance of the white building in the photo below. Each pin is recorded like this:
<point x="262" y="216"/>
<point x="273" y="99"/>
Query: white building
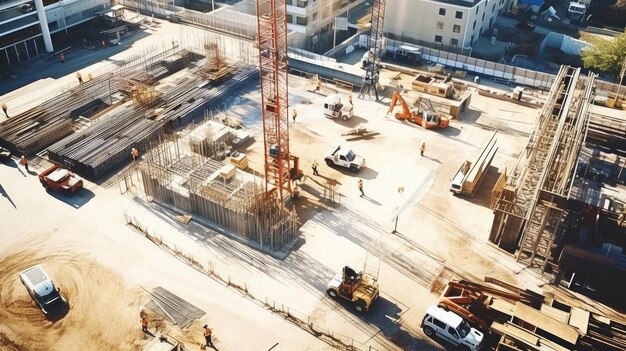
<point x="312" y="20"/>
<point x="26" y="25"/>
<point x="457" y="23"/>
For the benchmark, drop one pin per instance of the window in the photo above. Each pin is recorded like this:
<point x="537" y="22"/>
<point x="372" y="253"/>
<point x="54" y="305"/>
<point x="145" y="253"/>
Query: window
<point x="438" y="39"/>
<point x="442" y="11"/>
<point x="474" y="26"/>
<point x="314" y="16"/>
<point x="439" y="323"/>
<point x="440" y="25"/>
<point x="459" y="15"/>
<point x="289" y="18"/>
<point x="301" y="21"/>
<point x="453" y="332"/>
<point x="472" y="39"/>
<point x="456" y="28"/>
<point x="454" y="42"/>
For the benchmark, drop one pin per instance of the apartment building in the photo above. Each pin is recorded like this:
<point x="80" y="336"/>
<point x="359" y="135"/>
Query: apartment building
<point x="311" y="21"/>
<point x="26" y="26"/>
<point x="457" y="23"/>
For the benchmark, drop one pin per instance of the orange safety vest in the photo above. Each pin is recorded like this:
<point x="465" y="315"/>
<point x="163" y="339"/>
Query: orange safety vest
<point x="144" y="322"/>
<point x="207" y="331"/>
<point x="135" y="152"/>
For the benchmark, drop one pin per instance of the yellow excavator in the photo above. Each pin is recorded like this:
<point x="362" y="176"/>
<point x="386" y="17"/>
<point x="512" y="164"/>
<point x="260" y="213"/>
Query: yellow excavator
<point x="425" y="115"/>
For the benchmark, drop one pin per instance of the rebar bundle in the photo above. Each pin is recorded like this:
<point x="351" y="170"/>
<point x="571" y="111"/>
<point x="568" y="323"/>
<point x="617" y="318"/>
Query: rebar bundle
<point x="106" y="144"/>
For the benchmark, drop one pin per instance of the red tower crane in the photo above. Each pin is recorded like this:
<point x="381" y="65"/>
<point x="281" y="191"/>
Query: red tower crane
<point x="272" y="44"/>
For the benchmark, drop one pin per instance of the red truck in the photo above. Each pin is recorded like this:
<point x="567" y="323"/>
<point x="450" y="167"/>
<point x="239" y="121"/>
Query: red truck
<point x="60" y="179"/>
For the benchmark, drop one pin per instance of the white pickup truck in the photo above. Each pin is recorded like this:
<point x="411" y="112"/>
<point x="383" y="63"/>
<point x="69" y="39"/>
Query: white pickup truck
<point x="344" y="157"/>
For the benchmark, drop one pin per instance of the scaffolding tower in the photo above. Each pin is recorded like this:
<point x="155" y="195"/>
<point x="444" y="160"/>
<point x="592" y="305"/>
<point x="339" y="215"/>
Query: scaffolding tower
<point x="532" y="205"/>
<point x="374" y="51"/>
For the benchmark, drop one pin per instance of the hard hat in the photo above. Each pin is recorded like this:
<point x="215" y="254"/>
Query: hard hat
<point x="205" y="326"/>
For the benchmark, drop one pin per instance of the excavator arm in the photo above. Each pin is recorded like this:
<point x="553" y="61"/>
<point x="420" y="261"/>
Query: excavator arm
<point x="406" y="111"/>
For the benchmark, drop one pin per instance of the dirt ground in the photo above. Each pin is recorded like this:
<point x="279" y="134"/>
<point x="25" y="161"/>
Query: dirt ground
<point x="93" y="318"/>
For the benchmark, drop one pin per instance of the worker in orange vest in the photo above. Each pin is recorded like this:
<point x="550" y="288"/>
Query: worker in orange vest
<point x="62" y="58"/>
<point x="79" y="77"/>
<point x="350" y="99"/>
<point x="207" y="335"/>
<point x="135" y="153"/>
<point x="144" y="324"/>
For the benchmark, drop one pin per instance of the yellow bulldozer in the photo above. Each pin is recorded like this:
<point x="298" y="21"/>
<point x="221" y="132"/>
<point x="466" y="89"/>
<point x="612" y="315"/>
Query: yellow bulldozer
<point x="360" y="288"/>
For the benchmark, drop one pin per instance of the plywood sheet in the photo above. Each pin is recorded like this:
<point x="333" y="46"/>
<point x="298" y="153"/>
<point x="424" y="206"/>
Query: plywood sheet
<point x="546" y="323"/>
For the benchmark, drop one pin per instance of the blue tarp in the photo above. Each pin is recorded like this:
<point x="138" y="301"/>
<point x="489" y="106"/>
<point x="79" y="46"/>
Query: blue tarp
<point x="532" y="2"/>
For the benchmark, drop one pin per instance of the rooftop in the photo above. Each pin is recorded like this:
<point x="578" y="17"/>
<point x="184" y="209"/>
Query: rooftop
<point x="470" y="3"/>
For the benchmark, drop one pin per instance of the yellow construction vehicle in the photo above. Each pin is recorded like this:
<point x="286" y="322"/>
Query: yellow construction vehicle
<point x="360" y="288"/>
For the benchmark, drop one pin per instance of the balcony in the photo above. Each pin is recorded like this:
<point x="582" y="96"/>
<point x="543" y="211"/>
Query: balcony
<point x="298" y="8"/>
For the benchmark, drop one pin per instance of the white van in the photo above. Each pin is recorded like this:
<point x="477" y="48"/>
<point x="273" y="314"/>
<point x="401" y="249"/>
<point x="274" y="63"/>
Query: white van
<point x="333" y="108"/>
<point x="452" y="328"/>
<point x="42" y="290"/>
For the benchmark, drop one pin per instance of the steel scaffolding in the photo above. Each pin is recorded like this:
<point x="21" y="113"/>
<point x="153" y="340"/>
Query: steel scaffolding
<point x="375" y="47"/>
<point x="534" y="200"/>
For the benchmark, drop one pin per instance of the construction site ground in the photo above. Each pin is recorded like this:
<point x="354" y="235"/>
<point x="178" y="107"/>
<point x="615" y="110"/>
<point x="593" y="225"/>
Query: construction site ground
<point x="106" y="267"/>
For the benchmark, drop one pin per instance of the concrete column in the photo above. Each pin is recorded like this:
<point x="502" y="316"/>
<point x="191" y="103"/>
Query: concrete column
<point x="43" y="22"/>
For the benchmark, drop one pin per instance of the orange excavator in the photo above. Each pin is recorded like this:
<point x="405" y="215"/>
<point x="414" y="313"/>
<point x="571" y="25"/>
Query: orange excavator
<point x="425" y="115"/>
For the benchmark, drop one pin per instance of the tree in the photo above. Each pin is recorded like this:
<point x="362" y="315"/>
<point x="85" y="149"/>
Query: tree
<point x="605" y="55"/>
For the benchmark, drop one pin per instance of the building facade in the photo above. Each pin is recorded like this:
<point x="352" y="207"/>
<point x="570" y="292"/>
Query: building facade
<point x="311" y="21"/>
<point x="456" y="23"/>
<point x="26" y="26"/>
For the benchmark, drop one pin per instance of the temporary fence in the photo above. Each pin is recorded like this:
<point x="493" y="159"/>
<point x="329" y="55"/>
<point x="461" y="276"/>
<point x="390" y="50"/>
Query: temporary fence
<point x="297" y="318"/>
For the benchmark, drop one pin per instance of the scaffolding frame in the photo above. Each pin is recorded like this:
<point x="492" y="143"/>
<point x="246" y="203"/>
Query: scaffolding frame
<point x="533" y="203"/>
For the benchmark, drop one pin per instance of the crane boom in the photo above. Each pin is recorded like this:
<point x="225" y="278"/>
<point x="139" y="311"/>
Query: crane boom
<point x="272" y="44"/>
<point x="374" y="49"/>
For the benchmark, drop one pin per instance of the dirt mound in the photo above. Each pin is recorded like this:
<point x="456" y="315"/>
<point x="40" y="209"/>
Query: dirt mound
<point x="102" y="315"/>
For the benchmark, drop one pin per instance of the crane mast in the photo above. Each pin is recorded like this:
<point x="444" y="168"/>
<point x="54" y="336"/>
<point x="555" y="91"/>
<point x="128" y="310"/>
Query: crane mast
<point x="374" y="49"/>
<point x="272" y="44"/>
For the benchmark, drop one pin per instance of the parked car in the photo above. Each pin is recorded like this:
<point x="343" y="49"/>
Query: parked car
<point x="42" y="290"/>
<point x="452" y="328"/>
<point x="525" y="26"/>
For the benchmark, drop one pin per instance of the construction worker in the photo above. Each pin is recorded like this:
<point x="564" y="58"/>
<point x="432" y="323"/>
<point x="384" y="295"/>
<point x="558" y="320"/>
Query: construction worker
<point x="422" y="148"/>
<point x="143" y="314"/>
<point x="89" y="77"/>
<point x="294" y="114"/>
<point x="24" y="162"/>
<point x="5" y="108"/>
<point x="318" y="85"/>
<point x="135" y="153"/>
<point x="207" y="335"/>
<point x="79" y="77"/>
<point x="104" y="44"/>
<point x="314" y="166"/>
<point x="144" y="324"/>
<point x="62" y="58"/>
<point x="360" y="185"/>
<point x="350" y="99"/>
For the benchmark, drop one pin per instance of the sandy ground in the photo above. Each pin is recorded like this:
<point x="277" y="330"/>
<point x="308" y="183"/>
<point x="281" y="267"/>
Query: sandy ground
<point x="104" y="267"/>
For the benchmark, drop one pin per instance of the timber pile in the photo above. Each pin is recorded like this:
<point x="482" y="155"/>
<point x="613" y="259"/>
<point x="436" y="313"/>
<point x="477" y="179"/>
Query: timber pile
<point x="106" y="144"/>
<point x="33" y="130"/>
